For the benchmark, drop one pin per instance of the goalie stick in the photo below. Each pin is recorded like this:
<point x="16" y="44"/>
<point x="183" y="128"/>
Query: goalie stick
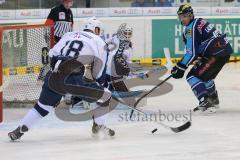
<point x="160" y="70"/>
<point x="174" y="129"/>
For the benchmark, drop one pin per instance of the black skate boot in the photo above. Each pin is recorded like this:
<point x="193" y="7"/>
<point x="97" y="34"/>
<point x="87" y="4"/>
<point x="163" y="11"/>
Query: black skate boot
<point x="17" y="133"/>
<point x="214" y="99"/>
<point x="205" y="106"/>
<point x="98" y="129"/>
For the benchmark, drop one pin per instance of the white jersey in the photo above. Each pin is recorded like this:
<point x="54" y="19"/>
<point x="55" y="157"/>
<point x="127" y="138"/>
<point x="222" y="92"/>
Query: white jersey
<point x="86" y="45"/>
<point x="114" y="46"/>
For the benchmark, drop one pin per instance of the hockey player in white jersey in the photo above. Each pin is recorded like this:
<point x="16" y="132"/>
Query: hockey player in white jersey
<point x="86" y="48"/>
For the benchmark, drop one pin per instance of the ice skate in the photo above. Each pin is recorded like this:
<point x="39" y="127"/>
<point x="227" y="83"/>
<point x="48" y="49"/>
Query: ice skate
<point x="102" y="130"/>
<point x="18" y="133"/>
<point x="214" y="99"/>
<point x="205" y="107"/>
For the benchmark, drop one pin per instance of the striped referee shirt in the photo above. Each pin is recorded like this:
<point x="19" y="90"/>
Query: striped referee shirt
<point x="62" y="19"/>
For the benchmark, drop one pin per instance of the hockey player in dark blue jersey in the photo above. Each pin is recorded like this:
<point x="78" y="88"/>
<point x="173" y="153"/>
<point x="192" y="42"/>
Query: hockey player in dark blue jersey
<point x="212" y="50"/>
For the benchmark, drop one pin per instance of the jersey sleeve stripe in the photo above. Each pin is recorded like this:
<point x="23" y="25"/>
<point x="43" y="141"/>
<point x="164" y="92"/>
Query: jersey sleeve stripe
<point x="193" y="42"/>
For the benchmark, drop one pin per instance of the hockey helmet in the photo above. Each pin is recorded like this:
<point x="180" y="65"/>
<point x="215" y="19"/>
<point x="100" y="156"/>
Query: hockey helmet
<point x="185" y="8"/>
<point x="92" y="24"/>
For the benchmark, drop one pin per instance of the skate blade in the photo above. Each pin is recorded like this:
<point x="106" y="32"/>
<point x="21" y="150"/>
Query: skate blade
<point x="13" y="138"/>
<point x="101" y="136"/>
<point x="211" y="110"/>
<point x="207" y="112"/>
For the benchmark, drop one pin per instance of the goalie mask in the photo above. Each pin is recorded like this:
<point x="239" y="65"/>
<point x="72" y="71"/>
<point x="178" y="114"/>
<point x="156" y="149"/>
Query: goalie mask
<point x="124" y="32"/>
<point x="94" y="25"/>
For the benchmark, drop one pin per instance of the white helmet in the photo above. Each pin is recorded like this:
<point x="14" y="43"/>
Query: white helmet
<point x="124" y="32"/>
<point x="92" y="23"/>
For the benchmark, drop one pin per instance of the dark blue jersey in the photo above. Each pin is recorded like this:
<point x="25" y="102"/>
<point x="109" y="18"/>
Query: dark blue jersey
<point x="203" y="40"/>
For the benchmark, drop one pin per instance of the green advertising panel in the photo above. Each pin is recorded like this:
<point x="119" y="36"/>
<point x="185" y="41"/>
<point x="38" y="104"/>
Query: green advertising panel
<point x="14" y="48"/>
<point x="167" y="35"/>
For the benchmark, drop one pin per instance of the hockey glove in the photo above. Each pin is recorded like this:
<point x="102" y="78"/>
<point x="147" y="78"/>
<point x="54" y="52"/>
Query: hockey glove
<point x="178" y="71"/>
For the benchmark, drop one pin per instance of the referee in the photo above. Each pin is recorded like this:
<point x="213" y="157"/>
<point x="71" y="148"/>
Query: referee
<point x="62" y="18"/>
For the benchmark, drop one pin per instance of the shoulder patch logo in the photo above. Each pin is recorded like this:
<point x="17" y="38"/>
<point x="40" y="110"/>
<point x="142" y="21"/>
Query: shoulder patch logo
<point x="62" y="16"/>
<point x="200" y="26"/>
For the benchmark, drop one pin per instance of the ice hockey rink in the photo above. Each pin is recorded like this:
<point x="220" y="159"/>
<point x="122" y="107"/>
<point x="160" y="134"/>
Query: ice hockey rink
<point x="212" y="137"/>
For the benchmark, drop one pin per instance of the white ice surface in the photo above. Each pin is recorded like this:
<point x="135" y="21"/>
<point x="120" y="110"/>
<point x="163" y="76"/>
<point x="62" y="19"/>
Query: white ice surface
<point x="215" y="137"/>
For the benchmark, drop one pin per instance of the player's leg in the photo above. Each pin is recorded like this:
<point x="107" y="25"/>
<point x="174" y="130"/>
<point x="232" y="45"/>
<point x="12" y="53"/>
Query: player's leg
<point x="107" y="83"/>
<point x="212" y="92"/>
<point x="100" y="114"/>
<point x="199" y="89"/>
<point x="216" y="65"/>
<point x="210" y="86"/>
<point x="47" y="100"/>
<point x="200" y="78"/>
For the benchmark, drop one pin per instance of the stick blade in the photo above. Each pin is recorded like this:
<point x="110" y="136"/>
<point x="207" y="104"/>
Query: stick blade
<point x="153" y="131"/>
<point x="181" y="128"/>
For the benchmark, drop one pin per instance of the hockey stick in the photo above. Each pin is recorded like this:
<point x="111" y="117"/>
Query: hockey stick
<point x="174" y="129"/>
<point x="141" y="75"/>
<point x="146" y="94"/>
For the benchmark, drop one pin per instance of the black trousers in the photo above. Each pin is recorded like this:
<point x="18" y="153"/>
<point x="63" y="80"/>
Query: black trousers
<point x="207" y="68"/>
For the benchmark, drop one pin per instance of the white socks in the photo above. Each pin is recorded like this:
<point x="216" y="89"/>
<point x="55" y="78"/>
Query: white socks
<point x="31" y="118"/>
<point x="101" y="114"/>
